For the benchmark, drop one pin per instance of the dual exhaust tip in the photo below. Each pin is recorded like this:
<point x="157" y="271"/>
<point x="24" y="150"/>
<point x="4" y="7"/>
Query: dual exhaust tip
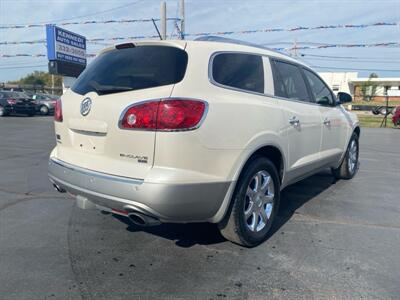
<point x="143" y="220"/>
<point x="135" y="217"/>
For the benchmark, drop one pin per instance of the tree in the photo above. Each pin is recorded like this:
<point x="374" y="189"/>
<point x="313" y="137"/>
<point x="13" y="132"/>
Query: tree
<point x="40" y="78"/>
<point x="368" y="88"/>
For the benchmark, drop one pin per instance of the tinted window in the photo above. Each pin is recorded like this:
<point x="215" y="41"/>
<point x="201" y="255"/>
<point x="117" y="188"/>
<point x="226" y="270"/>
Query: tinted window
<point x="132" y="69"/>
<point x="242" y="71"/>
<point x="320" y="91"/>
<point x="289" y="82"/>
<point x="8" y="94"/>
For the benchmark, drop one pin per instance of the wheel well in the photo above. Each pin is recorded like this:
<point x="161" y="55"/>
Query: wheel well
<point x="274" y="154"/>
<point x="357" y="131"/>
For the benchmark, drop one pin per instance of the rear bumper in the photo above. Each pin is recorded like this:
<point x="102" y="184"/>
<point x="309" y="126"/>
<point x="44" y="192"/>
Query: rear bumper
<point x="193" y="202"/>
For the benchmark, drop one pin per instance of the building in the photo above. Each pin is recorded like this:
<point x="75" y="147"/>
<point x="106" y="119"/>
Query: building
<point x="362" y="88"/>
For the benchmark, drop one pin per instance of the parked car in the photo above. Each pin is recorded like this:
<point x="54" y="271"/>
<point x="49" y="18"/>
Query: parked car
<point x="16" y="103"/>
<point x="198" y="131"/>
<point x="396" y="116"/>
<point x="376" y="110"/>
<point x="45" y="103"/>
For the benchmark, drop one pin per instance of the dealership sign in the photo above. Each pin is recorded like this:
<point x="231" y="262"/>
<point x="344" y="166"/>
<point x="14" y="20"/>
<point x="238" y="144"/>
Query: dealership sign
<point x="66" y="51"/>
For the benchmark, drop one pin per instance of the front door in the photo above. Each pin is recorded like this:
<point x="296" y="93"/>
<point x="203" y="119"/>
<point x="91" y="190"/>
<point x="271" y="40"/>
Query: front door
<point x="334" y="122"/>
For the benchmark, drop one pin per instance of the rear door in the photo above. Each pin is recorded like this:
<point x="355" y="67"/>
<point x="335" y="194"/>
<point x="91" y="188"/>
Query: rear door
<point x="303" y="117"/>
<point x="89" y="135"/>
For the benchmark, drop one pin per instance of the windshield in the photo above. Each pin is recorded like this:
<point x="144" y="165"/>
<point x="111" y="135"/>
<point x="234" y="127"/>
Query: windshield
<point x="135" y="68"/>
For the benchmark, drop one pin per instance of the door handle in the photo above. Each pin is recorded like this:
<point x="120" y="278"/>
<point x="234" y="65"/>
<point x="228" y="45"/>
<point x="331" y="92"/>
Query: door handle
<point x="327" y="122"/>
<point x="294" y="121"/>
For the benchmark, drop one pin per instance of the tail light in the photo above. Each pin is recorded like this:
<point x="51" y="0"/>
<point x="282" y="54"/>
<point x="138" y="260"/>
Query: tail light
<point x="164" y="115"/>
<point x="11" y="101"/>
<point x="58" y="117"/>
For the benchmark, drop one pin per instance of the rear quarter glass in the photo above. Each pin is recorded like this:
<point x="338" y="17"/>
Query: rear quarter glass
<point x="134" y="68"/>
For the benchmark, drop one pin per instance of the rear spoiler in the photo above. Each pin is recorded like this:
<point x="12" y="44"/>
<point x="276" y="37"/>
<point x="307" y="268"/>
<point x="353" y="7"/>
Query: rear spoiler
<point x="174" y="43"/>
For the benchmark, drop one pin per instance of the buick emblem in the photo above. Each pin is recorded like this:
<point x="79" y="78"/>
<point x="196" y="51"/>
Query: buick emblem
<point x="86" y="105"/>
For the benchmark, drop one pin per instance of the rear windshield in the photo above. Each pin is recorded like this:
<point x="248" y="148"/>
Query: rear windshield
<point x="131" y="69"/>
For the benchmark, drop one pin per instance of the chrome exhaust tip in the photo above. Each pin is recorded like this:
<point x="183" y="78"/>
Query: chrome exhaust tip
<point x="142" y="220"/>
<point x="58" y="188"/>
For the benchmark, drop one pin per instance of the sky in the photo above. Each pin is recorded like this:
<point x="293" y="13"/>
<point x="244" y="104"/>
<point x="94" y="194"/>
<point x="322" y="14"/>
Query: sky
<point x="217" y="16"/>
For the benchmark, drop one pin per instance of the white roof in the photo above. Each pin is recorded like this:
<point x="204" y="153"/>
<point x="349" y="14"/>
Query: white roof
<point x="216" y="44"/>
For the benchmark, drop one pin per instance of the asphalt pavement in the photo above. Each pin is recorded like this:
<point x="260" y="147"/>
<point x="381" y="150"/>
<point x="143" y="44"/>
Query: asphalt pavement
<point x="332" y="240"/>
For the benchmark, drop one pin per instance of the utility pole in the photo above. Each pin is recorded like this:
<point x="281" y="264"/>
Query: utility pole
<point x="295" y="48"/>
<point x="182" y="17"/>
<point x="163" y="20"/>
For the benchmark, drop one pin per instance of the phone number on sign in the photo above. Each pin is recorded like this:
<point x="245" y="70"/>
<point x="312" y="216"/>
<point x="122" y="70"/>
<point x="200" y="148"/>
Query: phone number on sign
<point x="70" y="50"/>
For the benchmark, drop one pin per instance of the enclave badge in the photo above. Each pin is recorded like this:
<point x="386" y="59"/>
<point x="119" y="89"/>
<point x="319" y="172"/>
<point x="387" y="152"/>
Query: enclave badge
<point x="86" y="105"/>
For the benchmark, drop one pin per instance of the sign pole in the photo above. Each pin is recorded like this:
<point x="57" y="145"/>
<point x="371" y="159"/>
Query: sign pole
<point x="52" y="84"/>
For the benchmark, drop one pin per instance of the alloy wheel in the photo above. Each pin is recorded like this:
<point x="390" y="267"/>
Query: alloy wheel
<point x="44" y="110"/>
<point x="353" y="156"/>
<point x="259" y="201"/>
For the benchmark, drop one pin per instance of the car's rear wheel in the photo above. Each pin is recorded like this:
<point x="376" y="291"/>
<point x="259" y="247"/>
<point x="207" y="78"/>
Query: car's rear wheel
<point x="44" y="110"/>
<point x="254" y="204"/>
<point x="350" y="163"/>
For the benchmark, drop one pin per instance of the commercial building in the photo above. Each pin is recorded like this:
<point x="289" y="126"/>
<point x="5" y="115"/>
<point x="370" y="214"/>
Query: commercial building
<point x="375" y="89"/>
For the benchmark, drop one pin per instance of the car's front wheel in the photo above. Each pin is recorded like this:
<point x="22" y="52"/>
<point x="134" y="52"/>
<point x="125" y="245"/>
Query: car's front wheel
<point x="254" y="204"/>
<point x="350" y="163"/>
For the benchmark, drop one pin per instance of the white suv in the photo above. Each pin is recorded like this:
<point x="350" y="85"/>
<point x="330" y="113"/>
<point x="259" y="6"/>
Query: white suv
<point x="198" y="131"/>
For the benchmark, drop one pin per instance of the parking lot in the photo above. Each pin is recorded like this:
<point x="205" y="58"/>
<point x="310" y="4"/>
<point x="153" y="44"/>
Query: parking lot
<point x="332" y="240"/>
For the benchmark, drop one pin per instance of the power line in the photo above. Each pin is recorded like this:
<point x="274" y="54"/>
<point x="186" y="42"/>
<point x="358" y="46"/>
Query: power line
<point x="389" y="44"/>
<point x="341" y="57"/>
<point x="298" y="28"/>
<point x="355" y="60"/>
<point x="113" y="21"/>
<point x="354" y="69"/>
<point x="78" y="17"/>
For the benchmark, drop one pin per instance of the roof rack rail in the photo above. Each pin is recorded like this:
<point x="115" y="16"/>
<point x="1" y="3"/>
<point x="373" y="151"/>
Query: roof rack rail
<point x="213" y="38"/>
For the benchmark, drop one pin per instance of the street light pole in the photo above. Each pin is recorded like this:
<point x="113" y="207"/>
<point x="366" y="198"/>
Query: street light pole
<point x="182" y="17"/>
<point x="163" y="19"/>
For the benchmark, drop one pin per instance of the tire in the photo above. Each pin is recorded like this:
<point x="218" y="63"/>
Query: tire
<point x="376" y="110"/>
<point x="2" y="111"/>
<point x="350" y="163"/>
<point x="254" y="204"/>
<point x="44" y="110"/>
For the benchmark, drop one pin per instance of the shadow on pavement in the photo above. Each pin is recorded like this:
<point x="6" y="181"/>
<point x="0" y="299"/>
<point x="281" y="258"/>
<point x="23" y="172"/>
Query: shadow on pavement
<point x="188" y="235"/>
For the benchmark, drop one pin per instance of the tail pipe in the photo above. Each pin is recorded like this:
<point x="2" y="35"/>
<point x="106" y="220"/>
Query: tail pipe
<point x="58" y="188"/>
<point x="140" y="219"/>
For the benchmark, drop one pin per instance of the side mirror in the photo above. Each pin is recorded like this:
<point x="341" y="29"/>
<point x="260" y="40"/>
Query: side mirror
<point x="344" y="97"/>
